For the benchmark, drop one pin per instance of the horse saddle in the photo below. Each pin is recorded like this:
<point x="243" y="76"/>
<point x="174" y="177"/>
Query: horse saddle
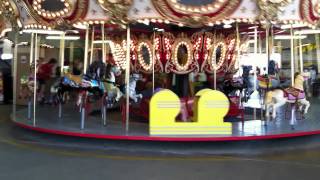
<point x="74" y="78"/>
<point x="294" y="94"/>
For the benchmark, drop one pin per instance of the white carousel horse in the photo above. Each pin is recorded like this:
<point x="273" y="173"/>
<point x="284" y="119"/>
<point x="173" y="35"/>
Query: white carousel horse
<point x="113" y="92"/>
<point x="132" y="87"/>
<point x="278" y="97"/>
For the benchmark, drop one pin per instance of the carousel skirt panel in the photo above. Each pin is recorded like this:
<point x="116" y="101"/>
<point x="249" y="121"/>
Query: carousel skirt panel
<point x="252" y="128"/>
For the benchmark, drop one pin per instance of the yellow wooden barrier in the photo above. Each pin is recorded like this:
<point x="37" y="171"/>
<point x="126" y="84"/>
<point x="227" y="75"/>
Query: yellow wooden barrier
<point x="210" y="107"/>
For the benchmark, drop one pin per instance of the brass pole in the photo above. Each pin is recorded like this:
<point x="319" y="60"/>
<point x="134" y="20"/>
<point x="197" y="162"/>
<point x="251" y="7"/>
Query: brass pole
<point x="153" y="59"/>
<point x="61" y="52"/>
<point x="15" y="73"/>
<point x="31" y="48"/>
<point x="127" y="76"/>
<point x="215" y="63"/>
<point x="103" y="44"/>
<point x="85" y="64"/>
<point x="35" y="80"/>
<point x="92" y="44"/>
<point x="238" y="48"/>
<point x="292" y="56"/>
<point x="300" y="53"/>
<point x="267" y="47"/>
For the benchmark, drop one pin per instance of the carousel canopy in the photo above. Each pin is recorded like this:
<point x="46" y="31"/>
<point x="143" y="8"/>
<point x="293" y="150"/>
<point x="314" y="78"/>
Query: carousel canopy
<point x="63" y="14"/>
<point x="192" y="36"/>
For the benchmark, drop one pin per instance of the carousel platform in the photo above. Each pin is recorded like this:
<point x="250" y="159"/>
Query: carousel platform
<point x="47" y="121"/>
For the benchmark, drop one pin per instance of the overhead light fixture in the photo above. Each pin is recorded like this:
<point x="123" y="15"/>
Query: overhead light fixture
<point x="227" y="26"/>
<point x="308" y="31"/>
<point x="288" y="26"/>
<point x="6" y="56"/>
<point x="287" y="37"/>
<point x="303" y="45"/>
<point x="65" y="37"/>
<point x="279" y="32"/>
<point x="100" y="42"/>
<point x="43" y="31"/>
<point x="80" y="26"/>
<point x="8" y="41"/>
<point x="3" y="32"/>
<point x="72" y="31"/>
<point x="22" y="44"/>
<point x="159" y="29"/>
<point x="252" y="27"/>
<point x="146" y="22"/>
<point x="253" y="32"/>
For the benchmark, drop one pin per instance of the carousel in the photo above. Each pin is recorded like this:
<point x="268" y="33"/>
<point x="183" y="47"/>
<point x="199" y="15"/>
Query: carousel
<point x="165" y="70"/>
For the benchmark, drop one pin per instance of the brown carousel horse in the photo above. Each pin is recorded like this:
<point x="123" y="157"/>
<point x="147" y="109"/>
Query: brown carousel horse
<point x="294" y="95"/>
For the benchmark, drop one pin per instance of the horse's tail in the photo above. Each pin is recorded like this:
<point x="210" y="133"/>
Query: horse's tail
<point x="268" y="97"/>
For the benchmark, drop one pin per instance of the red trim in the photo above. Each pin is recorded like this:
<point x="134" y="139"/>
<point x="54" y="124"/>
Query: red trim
<point x="173" y="139"/>
<point x="311" y="14"/>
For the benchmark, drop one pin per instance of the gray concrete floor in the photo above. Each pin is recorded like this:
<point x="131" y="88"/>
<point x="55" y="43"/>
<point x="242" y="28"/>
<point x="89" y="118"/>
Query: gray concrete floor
<point x="30" y="155"/>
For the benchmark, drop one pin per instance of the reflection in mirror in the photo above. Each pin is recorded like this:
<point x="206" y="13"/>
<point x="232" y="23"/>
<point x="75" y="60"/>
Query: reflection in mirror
<point x="182" y="55"/>
<point x="218" y="52"/>
<point x="196" y="3"/>
<point x="218" y="55"/>
<point x="145" y="55"/>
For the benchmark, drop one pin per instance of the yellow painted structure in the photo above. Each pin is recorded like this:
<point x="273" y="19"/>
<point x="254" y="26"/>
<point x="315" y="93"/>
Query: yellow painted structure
<point x="210" y="107"/>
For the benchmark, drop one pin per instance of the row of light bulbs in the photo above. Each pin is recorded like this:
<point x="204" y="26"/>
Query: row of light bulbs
<point x="228" y="22"/>
<point x="50" y="14"/>
<point x="157" y="46"/>
<point x="203" y="9"/>
<point x="222" y="57"/>
<point x="196" y="46"/>
<point x="167" y="47"/>
<point x="119" y="56"/>
<point x="37" y="26"/>
<point x="141" y="60"/>
<point x="175" y="56"/>
<point x="5" y="6"/>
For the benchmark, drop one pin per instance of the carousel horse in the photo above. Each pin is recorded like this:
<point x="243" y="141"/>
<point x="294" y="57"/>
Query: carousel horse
<point x="69" y="83"/>
<point x="233" y="85"/>
<point x="90" y="83"/>
<point x="132" y="87"/>
<point x="278" y="97"/>
<point x="26" y="87"/>
<point x="268" y="81"/>
<point x="248" y="82"/>
<point x="112" y="91"/>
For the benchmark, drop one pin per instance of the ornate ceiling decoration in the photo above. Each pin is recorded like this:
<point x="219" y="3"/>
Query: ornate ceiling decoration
<point x="9" y="10"/>
<point x="269" y="9"/>
<point x="61" y="11"/>
<point x="195" y="14"/>
<point x="117" y="9"/>
<point x="61" y="16"/>
<point x="310" y="10"/>
<point x="316" y="8"/>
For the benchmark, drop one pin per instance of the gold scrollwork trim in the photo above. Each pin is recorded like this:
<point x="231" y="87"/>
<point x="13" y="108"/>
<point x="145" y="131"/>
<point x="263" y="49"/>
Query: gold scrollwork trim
<point x="192" y="18"/>
<point x="37" y="6"/>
